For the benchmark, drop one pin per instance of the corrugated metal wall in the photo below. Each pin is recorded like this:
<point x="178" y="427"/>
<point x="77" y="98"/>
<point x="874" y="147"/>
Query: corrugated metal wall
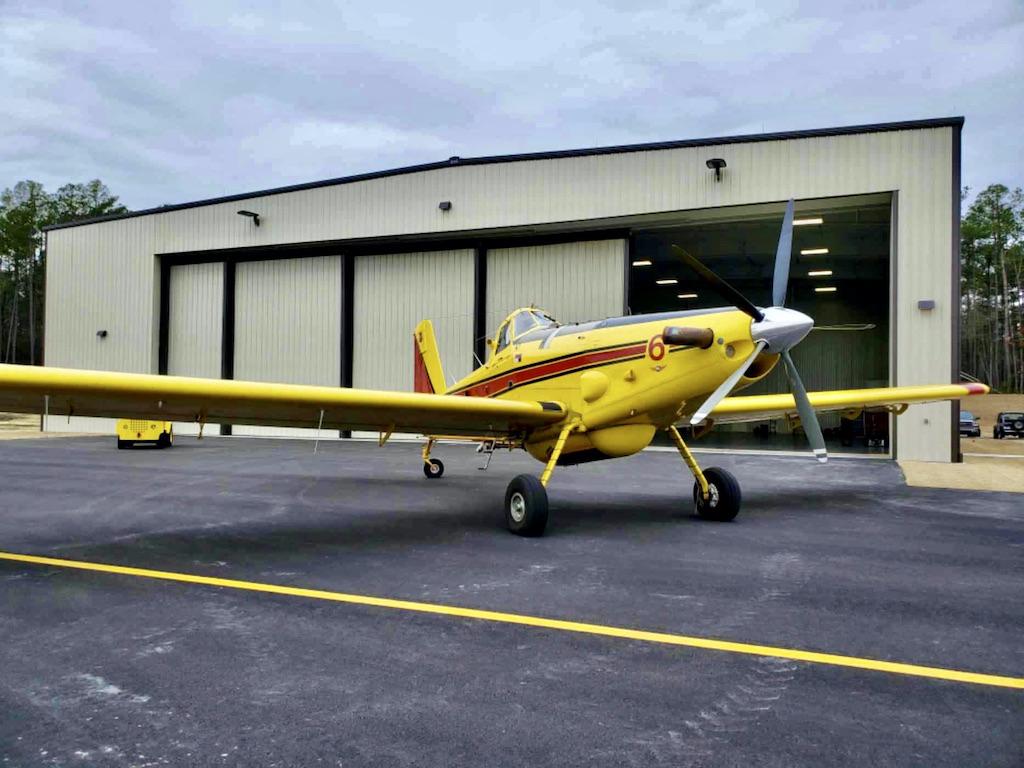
<point x="194" y="323"/>
<point x="104" y="274"/>
<point x="392" y="294"/>
<point x="572" y="281"/>
<point x="288" y="325"/>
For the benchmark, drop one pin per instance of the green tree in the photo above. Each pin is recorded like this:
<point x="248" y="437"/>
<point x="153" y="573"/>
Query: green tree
<point x="992" y="288"/>
<point x="24" y="210"/>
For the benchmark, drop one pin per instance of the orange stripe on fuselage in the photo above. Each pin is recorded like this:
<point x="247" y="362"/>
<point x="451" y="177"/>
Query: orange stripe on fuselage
<point x="536" y="371"/>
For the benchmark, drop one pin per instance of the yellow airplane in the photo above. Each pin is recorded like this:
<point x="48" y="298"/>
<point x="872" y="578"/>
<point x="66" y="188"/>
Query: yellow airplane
<point x="567" y="394"/>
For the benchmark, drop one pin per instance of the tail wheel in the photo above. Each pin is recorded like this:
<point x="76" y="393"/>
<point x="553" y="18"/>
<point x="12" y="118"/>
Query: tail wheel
<point x="433" y="469"/>
<point x="723" y="502"/>
<point x="526" y="506"/>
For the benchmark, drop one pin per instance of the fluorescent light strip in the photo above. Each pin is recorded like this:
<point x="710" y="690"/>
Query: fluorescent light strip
<point x="805" y="222"/>
<point x="819" y="273"/>
<point x="642" y="263"/>
<point x="686" y="296"/>
<point x="667" y="281"/>
<point x="813" y="251"/>
<point x="829" y="289"/>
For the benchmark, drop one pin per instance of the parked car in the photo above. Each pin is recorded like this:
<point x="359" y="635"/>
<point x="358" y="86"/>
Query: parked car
<point x="1008" y="425"/>
<point x="969" y="426"/>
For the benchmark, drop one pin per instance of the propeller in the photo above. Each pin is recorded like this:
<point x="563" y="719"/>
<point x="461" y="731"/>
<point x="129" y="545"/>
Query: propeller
<point x="725" y="290"/>
<point x="775" y="329"/>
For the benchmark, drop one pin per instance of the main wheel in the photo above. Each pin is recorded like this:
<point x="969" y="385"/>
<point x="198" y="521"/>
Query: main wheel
<point x="526" y="506"/>
<point x="723" y="502"/>
<point x="433" y="469"/>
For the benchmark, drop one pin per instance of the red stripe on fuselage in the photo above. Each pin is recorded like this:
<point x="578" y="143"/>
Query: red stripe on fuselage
<point x="535" y="371"/>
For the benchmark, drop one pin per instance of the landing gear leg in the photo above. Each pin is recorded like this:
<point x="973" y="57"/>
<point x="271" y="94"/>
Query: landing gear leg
<point x="716" y="493"/>
<point x="432" y="468"/>
<point x="526" y="500"/>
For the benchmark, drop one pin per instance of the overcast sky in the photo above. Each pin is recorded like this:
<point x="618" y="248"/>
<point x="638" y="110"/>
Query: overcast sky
<point x="173" y="102"/>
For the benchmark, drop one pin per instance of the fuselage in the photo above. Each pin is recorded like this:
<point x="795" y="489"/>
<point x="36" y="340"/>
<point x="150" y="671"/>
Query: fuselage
<point x="616" y="377"/>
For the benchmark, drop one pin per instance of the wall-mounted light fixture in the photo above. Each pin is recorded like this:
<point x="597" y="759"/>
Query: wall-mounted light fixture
<point x="716" y="164"/>
<point x="445" y="205"/>
<point x="101" y="334"/>
<point x="254" y="216"/>
<point x="926" y="305"/>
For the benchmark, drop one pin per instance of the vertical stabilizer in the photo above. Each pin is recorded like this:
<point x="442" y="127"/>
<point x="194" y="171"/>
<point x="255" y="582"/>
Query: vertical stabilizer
<point x="427" y="373"/>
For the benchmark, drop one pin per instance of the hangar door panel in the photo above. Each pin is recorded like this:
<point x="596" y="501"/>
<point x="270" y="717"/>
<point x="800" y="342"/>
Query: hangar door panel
<point x="288" y="326"/>
<point x="573" y="281"/>
<point x="393" y="292"/>
<point x="194" y="326"/>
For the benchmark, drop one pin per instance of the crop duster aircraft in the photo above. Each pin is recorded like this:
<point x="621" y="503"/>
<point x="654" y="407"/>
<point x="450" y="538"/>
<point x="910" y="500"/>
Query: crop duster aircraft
<point x="567" y="394"/>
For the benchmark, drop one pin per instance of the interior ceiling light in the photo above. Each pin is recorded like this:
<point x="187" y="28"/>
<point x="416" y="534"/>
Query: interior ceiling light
<point x="813" y="251"/>
<point x="829" y="289"/>
<point x="642" y="263"/>
<point x="687" y="295"/>
<point x="819" y="273"/>
<point x="805" y="222"/>
<point x="667" y="281"/>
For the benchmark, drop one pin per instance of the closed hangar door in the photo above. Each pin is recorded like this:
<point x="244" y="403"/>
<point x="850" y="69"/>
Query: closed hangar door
<point x="574" y="282"/>
<point x="288" y="327"/>
<point x="194" y="327"/>
<point x="394" y="292"/>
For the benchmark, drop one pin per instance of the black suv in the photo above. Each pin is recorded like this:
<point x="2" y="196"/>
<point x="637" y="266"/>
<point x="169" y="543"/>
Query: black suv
<point x="969" y="426"/>
<point x="1008" y="425"/>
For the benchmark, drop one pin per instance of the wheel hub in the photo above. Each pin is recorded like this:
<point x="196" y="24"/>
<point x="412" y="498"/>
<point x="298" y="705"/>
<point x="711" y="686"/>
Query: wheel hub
<point x="517" y="507"/>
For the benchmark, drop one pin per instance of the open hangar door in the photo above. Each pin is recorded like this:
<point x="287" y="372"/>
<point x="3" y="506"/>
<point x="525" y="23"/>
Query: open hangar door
<point x="839" y="275"/>
<point x="195" y="313"/>
<point x="288" y="326"/>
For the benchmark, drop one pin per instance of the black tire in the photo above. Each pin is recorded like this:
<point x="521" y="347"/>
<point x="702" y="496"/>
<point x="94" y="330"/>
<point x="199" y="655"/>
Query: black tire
<point x="164" y="441"/>
<point x="526" y="506"/>
<point x="433" y="469"/>
<point x="997" y="434"/>
<point x="724" y="499"/>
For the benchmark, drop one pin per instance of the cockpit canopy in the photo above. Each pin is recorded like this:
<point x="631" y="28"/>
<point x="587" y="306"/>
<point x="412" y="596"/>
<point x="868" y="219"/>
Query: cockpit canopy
<point x="521" y="322"/>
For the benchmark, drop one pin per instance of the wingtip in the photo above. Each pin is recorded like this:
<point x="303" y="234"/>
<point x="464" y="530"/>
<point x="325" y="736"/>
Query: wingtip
<point x="976" y="388"/>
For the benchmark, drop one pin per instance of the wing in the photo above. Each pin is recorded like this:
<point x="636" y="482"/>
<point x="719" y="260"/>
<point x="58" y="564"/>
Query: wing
<point x="759" y="407"/>
<point x="61" y="391"/>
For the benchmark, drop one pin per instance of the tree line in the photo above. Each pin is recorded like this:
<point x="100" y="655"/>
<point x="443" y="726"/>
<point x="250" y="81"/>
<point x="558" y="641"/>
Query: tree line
<point x="991" y="248"/>
<point x="992" y="288"/>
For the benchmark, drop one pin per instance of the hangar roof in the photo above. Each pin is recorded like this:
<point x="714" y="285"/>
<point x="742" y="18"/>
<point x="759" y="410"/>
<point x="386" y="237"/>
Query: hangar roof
<point x="941" y="122"/>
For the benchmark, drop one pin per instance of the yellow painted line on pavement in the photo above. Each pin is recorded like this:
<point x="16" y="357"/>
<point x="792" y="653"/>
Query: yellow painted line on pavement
<point x="813" y="657"/>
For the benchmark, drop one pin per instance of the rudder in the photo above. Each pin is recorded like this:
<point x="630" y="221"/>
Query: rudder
<point x="428" y="375"/>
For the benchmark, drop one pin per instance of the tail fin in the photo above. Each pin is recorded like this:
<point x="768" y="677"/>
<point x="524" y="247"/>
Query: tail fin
<point x="427" y="373"/>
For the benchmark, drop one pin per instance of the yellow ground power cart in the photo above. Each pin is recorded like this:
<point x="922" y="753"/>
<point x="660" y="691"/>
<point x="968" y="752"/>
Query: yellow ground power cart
<point x="133" y="431"/>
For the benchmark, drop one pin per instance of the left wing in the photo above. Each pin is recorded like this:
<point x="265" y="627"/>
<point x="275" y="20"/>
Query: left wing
<point x="62" y="391"/>
<point x="760" y="407"/>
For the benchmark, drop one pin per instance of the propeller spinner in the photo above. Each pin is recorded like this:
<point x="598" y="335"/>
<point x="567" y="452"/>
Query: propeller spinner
<point x="774" y="329"/>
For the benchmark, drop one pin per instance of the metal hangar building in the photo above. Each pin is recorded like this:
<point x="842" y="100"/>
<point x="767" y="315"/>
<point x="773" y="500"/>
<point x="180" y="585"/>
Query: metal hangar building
<point x="322" y="283"/>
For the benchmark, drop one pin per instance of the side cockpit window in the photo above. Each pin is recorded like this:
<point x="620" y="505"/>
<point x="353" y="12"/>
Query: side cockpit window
<point x="504" y="337"/>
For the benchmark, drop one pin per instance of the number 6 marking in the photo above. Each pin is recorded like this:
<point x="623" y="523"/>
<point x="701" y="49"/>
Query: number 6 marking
<point x="656" y="348"/>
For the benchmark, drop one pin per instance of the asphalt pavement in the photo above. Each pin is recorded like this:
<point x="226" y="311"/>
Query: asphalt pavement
<point x="110" y="669"/>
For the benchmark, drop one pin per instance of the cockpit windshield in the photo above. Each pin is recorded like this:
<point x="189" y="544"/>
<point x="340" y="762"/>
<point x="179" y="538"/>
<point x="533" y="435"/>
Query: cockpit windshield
<point x="522" y="322"/>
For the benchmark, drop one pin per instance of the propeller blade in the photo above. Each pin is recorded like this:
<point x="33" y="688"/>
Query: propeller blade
<point x="782" y="256"/>
<point x="727" y="292"/>
<point x="808" y="418"/>
<point x="725" y="387"/>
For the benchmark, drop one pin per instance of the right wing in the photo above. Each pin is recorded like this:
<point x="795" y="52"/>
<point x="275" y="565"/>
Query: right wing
<point x="62" y="391"/>
<point x="759" y="407"/>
